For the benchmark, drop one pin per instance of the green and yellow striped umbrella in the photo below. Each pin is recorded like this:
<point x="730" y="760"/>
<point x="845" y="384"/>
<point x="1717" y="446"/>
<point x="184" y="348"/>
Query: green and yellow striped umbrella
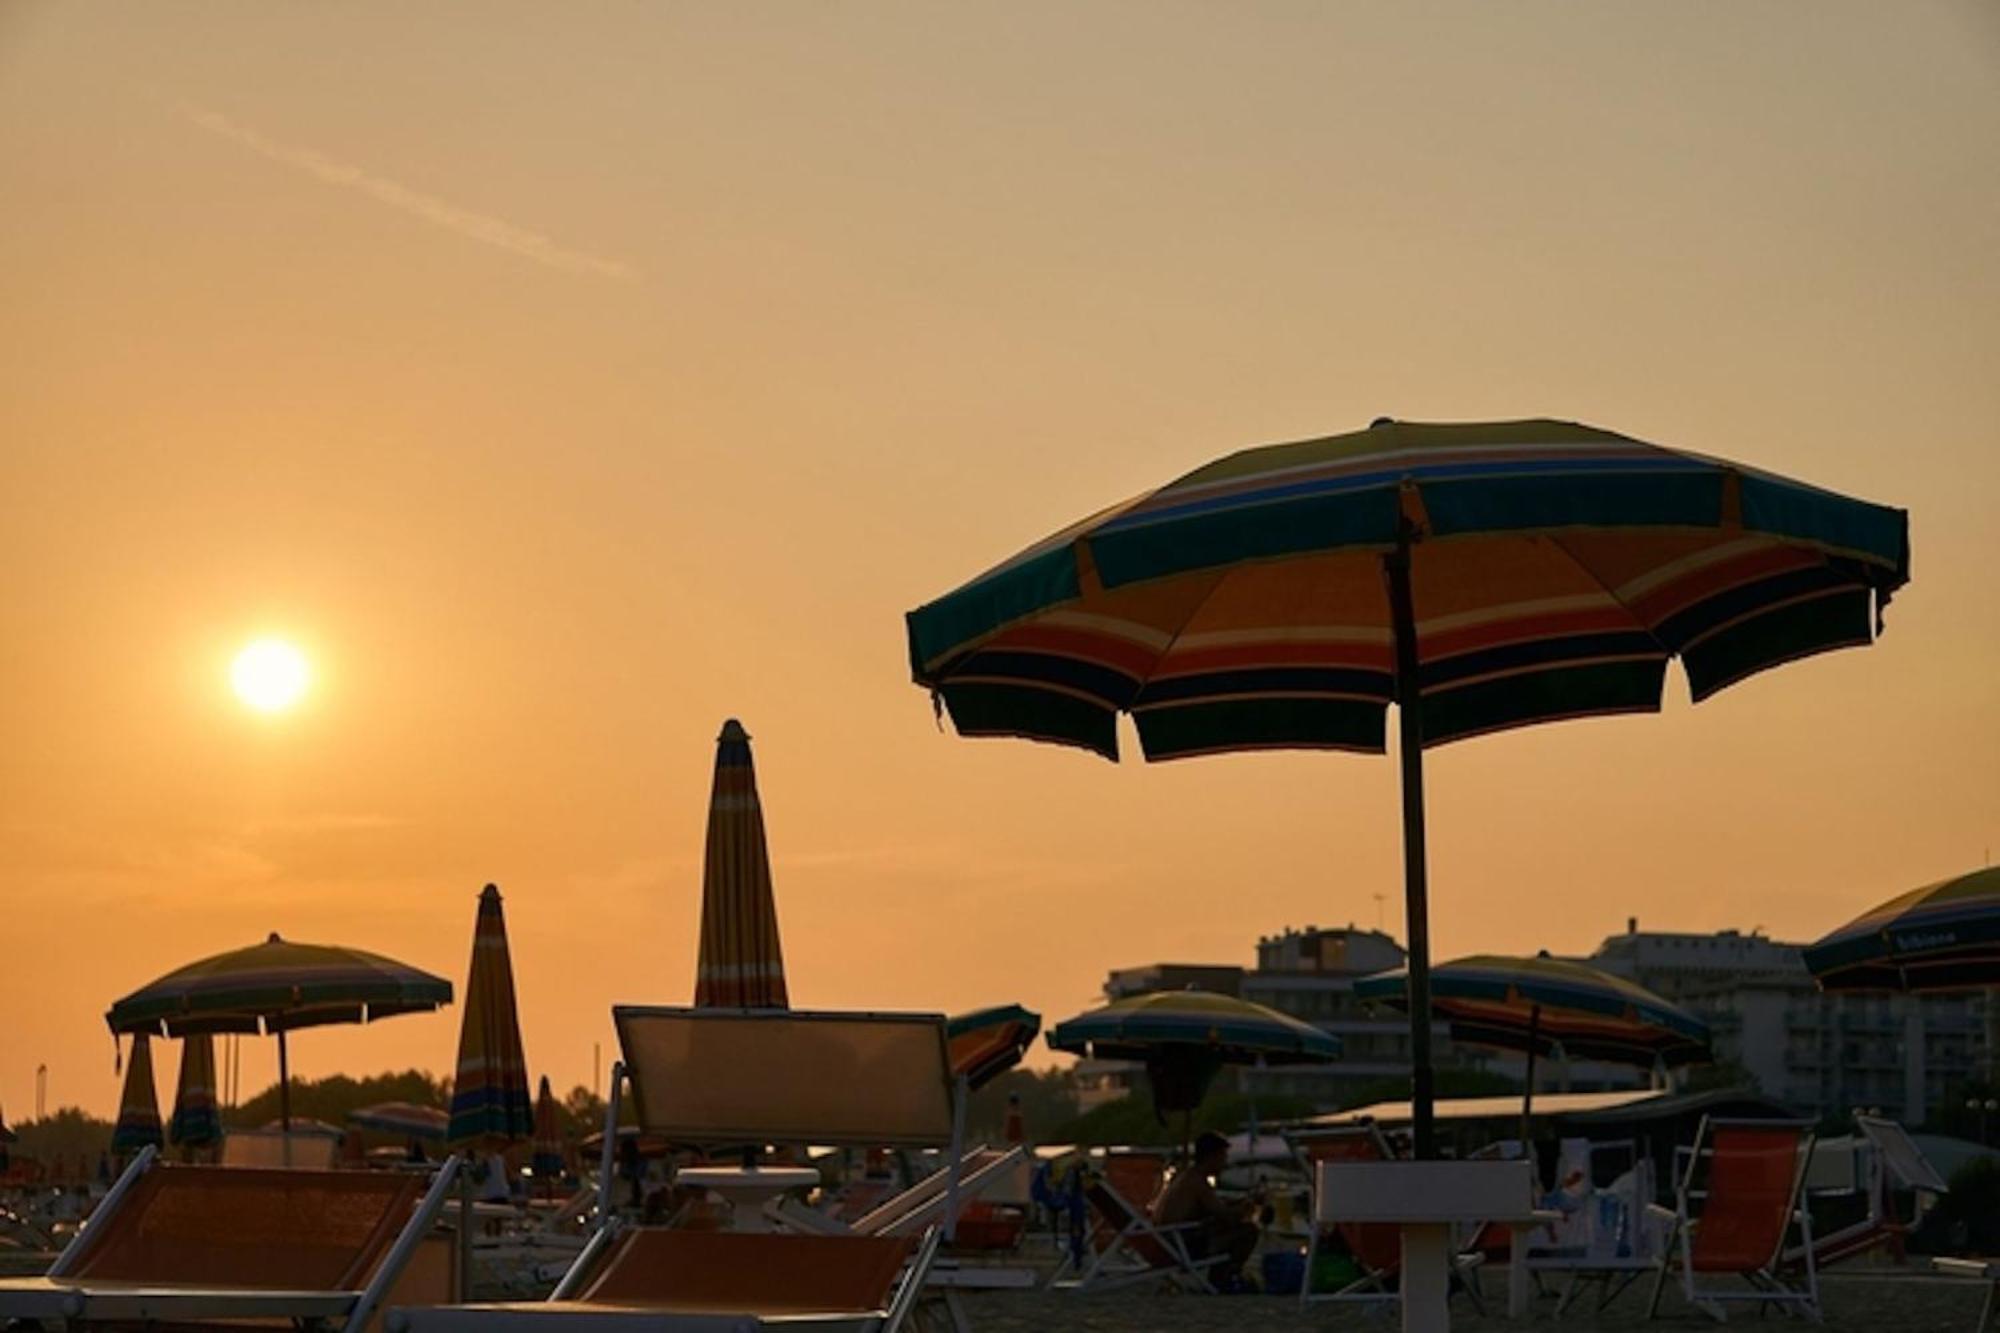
<point x="1185" y="1037"/>
<point x="1480" y="575"/>
<point x="741" y="965"/>
<point x="1944" y="936"/>
<point x="197" y="1122"/>
<point x="139" y="1104"/>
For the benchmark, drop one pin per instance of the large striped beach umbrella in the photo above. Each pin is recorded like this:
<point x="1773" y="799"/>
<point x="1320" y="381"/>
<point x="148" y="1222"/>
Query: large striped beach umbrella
<point x="547" y="1162"/>
<point x="405" y="1119"/>
<point x="1944" y="936"/>
<point x="490" y="1105"/>
<point x="139" y="1104"/>
<point x="986" y="1043"/>
<point x="276" y="987"/>
<point x="1185" y="1037"/>
<point x="196" y="1123"/>
<point x="1481" y="575"/>
<point x="741" y="965"/>
<point x="1538" y="1004"/>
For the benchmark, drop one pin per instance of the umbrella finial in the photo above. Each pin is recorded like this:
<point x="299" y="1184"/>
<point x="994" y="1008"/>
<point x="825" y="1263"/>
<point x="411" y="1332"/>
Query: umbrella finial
<point x="491" y="891"/>
<point x="732" y="730"/>
<point x="1381" y="423"/>
<point x="272" y="938"/>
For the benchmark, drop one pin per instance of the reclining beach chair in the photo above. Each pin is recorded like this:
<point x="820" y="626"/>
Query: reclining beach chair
<point x="1750" y="1178"/>
<point x="1129" y="1248"/>
<point x="186" y="1244"/>
<point x="1894" y="1165"/>
<point x="910" y="1211"/>
<point x="1376" y="1247"/>
<point x="735" y="1076"/>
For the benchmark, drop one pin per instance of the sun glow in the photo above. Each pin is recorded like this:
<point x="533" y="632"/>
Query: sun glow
<point x="270" y="675"/>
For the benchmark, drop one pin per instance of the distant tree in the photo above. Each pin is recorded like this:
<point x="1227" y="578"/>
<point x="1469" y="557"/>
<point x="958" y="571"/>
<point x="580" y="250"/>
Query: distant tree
<point x="70" y="1132"/>
<point x="1048" y="1098"/>
<point x="1131" y="1119"/>
<point x="337" y="1096"/>
<point x="1718" y="1076"/>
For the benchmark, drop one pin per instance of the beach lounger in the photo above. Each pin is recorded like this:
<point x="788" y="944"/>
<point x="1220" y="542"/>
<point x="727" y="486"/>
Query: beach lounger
<point x="1750" y="1178"/>
<point x="1894" y="1164"/>
<point x="733" y="1076"/>
<point x="1376" y="1247"/>
<point x="185" y="1244"/>
<point x="912" y="1210"/>
<point x="1130" y="1249"/>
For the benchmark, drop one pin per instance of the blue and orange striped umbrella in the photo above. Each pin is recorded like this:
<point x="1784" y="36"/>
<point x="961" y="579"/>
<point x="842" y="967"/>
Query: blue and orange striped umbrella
<point x="139" y="1104"/>
<point x="741" y="965"/>
<point x="490" y="1104"/>
<point x="405" y="1119"/>
<point x="1944" y="936"/>
<point x="196" y="1123"/>
<point x="986" y="1043"/>
<point x="1481" y="575"/>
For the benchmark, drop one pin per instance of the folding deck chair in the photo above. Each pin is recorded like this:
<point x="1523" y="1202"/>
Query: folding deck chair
<point x="1894" y="1164"/>
<point x="1750" y="1176"/>
<point x="185" y="1244"/>
<point x="1130" y="1249"/>
<point x="725" y="1076"/>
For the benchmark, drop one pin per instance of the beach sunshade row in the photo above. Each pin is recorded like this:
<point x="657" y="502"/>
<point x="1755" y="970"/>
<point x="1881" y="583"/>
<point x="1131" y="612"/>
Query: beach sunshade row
<point x="402" y="1118"/>
<point x="1231" y="1030"/>
<point x="139" y="1103"/>
<point x="1555" y="569"/>
<point x="279" y="985"/>
<point x="1944" y="936"/>
<point x="490" y="1102"/>
<point x="197" y="1120"/>
<point x="1493" y="1000"/>
<point x="741" y="965"/>
<point x="988" y="1042"/>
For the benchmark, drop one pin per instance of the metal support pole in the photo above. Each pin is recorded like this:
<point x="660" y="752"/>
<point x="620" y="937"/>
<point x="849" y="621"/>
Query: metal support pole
<point x="1416" y="884"/>
<point x="1528" y="1083"/>
<point x="284" y="1099"/>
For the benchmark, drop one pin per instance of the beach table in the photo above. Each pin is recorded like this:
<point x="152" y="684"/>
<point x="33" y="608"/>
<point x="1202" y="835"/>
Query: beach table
<point x="1430" y="1201"/>
<point x="748" y="1188"/>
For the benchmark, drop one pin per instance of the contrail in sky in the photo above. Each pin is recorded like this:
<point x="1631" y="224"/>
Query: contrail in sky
<point x="478" y="226"/>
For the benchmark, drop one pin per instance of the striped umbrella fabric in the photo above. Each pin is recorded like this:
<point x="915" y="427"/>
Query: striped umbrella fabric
<point x="1238" y="1031"/>
<point x="489" y="1092"/>
<point x="1556" y="567"/>
<point x="741" y="964"/>
<point x="278" y="986"/>
<point x="1943" y="936"/>
<point x="548" y="1159"/>
<point x="1538" y="1004"/>
<point x="405" y="1119"/>
<point x="197" y="1123"/>
<point x="988" y="1042"/>
<point x="139" y="1104"/>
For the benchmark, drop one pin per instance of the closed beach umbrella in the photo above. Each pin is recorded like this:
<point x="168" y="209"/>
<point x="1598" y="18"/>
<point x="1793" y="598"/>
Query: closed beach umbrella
<point x="988" y="1042"/>
<point x="1537" y="1004"/>
<point x="1944" y="936"/>
<point x="1185" y="1037"/>
<point x="490" y="1104"/>
<point x="196" y="1123"/>
<point x="1481" y="575"/>
<point x="275" y="987"/>
<point x="741" y="964"/>
<point x="139" y="1104"/>
<point x="405" y="1119"/>
<point x="548" y="1159"/>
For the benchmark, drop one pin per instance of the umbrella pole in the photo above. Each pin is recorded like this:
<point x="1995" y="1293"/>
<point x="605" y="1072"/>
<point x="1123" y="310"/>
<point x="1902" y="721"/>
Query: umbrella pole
<point x="284" y="1098"/>
<point x="1528" y="1084"/>
<point x="465" y="1227"/>
<point x="1416" y="880"/>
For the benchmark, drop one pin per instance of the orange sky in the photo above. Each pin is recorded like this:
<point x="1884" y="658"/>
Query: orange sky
<point x="568" y="378"/>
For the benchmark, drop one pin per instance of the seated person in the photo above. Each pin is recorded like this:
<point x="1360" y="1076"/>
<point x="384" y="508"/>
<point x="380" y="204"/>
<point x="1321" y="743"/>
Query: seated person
<point x="1190" y="1197"/>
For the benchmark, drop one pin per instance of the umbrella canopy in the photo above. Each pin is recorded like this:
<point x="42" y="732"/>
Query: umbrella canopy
<point x="1185" y="1037"/>
<point x="1480" y="575"/>
<point x="1538" y="1004"/>
<point x="548" y="1158"/>
<point x="988" y="1042"/>
<point x="196" y="1123"/>
<point x="406" y="1119"/>
<point x="741" y="964"/>
<point x="489" y="1092"/>
<point x="1944" y="936"/>
<point x="139" y="1105"/>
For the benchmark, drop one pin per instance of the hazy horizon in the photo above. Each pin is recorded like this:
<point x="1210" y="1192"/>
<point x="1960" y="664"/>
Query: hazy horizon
<point x="564" y="381"/>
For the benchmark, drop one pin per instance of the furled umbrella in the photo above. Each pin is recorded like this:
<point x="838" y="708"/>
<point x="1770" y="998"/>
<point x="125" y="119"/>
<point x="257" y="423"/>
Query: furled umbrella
<point x="1481" y="575"/>
<point x="1536" y="1005"/>
<point x="196" y="1123"/>
<point x="1185" y="1038"/>
<point x="1941" y="937"/>
<point x="404" y="1119"/>
<point x="741" y="965"/>
<point x="276" y="987"/>
<point x="986" y="1043"/>
<point x="139" y="1104"/>
<point x="490" y="1106"/>
<point x="547" y="1163"/>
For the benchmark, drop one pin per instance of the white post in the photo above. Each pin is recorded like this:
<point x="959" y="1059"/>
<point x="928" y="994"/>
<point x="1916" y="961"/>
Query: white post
<point x="1426" y="1277"/>
<point x="960" y="1095"/>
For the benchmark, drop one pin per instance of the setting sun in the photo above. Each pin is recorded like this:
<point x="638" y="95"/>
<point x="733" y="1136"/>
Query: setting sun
<point x="270" y="675"/>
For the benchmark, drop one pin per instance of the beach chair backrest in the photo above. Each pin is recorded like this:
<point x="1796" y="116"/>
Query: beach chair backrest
<point x="1115" y="1213"/>
<point x="751" y="1273"/>
<point x="1755" y="1170"/>
<point x="265" y="1229"/>
<point x="1904" y="1162"/>
<point x="1377" y="1246"/>
<point x="788" y="1076"/>
<point x="1137" y="1176"/>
